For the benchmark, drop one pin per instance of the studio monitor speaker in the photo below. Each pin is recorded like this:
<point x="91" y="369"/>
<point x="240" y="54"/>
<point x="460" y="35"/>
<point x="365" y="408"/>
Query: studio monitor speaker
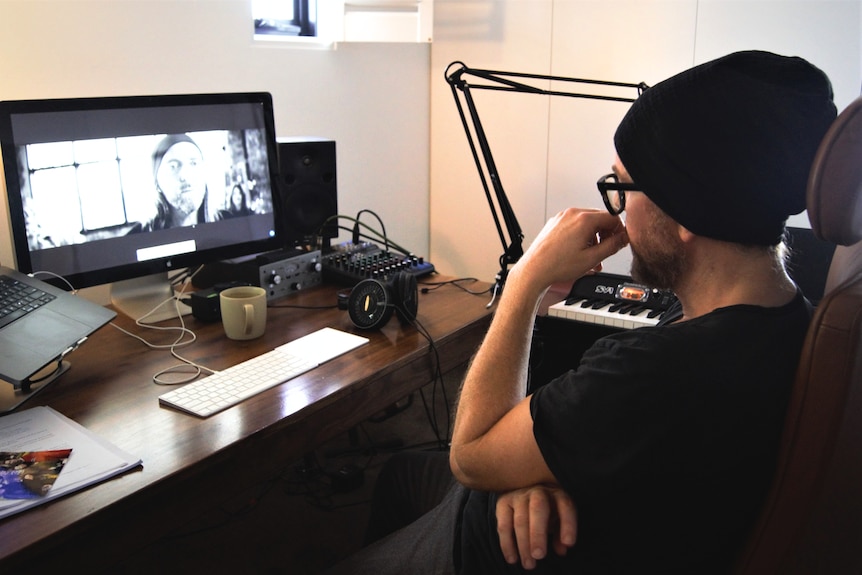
<point x="308" y="186"/>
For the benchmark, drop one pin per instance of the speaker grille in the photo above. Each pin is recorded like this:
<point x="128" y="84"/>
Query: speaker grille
<point x="308" y="187"/>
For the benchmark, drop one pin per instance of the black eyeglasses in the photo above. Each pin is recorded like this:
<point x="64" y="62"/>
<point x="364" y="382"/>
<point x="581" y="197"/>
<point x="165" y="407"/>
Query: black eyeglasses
<point x="614" y="193"/>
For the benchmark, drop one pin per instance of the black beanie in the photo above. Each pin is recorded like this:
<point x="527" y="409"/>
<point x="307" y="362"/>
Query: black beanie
<point x="725" y="148"/>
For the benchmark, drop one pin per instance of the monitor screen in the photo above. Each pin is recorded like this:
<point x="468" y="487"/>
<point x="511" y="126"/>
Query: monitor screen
<point x="108" y="189"/>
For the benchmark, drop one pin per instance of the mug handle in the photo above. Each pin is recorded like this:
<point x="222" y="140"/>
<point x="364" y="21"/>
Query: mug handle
<point x="249" y="317"/>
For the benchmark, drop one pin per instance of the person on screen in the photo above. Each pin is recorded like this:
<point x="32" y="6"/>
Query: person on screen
<point x="238" y="205"/>
<point x="654" y="454"/>
<point x="179" y="174"/>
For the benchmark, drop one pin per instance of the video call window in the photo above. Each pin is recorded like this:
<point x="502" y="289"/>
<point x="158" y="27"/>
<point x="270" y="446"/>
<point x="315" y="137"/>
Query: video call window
<point x="78" y="191"/>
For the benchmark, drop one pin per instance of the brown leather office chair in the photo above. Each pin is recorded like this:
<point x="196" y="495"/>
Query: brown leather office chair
<point x="812" y="520"/>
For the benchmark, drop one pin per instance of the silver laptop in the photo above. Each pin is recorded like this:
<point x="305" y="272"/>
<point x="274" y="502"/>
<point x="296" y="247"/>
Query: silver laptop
<point x="52" y="323"/>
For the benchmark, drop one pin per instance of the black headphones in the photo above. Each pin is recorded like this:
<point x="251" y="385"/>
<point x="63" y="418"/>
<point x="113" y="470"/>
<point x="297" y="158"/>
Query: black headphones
<point x="372" y="302"/>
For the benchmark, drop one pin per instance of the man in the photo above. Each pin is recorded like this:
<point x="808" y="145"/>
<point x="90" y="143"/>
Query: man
<point x="663" y="438"/>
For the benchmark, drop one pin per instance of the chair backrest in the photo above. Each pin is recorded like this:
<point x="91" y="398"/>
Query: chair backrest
<point x="812" y="519"/>
<point x="809" y="261"/>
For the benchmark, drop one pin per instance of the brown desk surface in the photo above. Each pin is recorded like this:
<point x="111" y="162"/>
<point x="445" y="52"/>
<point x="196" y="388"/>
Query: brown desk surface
<point x="189" y="464"/>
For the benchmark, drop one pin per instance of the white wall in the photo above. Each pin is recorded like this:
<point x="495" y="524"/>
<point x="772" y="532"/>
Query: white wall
<point x="550" y="151"/>
<point x="372" y="99"/>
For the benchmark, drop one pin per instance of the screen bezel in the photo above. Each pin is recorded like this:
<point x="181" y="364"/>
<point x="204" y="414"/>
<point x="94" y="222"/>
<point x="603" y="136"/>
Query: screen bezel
<point x="21" y="249"/>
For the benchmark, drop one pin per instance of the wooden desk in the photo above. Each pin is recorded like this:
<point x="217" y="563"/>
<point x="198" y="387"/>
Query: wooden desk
<point x="191" y="464"/>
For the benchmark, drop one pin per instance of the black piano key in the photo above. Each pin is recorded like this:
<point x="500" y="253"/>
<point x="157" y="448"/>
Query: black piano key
<point x="630" y="309"/>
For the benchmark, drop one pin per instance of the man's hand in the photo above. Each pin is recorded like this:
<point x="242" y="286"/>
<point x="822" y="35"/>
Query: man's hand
<point x="528" y="518"/>
<point x="571" y="244"/>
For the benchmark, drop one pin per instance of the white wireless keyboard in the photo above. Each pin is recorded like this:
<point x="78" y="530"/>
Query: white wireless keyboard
<point x="230" y="386"/>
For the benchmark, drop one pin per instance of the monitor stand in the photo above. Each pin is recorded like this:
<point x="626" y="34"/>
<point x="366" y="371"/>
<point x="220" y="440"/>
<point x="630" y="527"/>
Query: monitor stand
<point x="137" y="297"/>
<point x="12" y="396"/>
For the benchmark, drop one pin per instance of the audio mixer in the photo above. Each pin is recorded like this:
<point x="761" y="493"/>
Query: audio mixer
<point x="349" y="263"/>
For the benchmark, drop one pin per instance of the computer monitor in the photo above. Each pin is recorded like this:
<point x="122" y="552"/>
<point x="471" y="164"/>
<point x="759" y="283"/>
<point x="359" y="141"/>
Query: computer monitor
<point x="125" y="190"/>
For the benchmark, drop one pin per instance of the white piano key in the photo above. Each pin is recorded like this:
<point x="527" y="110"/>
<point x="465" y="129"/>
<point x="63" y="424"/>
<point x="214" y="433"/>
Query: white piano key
<point x="602" y="316"/>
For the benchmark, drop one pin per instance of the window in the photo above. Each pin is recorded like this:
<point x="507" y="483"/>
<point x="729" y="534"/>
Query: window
<point x="284" y="17"/>
<point x="329" y="21"/>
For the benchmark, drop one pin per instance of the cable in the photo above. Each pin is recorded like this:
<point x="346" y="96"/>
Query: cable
<point x="183" y="275"/>
<point x="318" y="486"/>
<point x="456" y="282"/>
<point x="375" y="239"/>
<point x="437" y="379"/>
<point x="71" y="287"/>
<point x="378" y="235"/>
<point x="178" y="278"/>
<point x="182" y="279"/>
<point x="493" y="295"/>
<point x="382" y="228"/>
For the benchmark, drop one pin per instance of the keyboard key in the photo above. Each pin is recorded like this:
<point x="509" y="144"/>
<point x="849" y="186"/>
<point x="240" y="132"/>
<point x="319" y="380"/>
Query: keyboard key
<point x="239" y="382"/>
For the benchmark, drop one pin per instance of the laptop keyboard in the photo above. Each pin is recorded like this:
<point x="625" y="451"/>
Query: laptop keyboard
<point x="17" y="299"/>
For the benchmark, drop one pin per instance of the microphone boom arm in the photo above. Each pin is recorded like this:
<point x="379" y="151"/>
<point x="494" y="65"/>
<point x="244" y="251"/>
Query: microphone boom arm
<point x="456" y="74"/>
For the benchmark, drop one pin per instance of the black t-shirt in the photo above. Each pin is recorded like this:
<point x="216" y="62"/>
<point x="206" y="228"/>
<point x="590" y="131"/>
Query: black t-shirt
<point x="666" y="439"/>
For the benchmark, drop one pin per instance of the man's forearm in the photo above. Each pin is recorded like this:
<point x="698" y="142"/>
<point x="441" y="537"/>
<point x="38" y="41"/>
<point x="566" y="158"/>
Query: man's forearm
<point x="493" y="446"/>
<point x="496" y="380"/>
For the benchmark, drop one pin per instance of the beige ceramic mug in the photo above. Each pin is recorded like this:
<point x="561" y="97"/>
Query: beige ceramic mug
<point x="243" y="311"/>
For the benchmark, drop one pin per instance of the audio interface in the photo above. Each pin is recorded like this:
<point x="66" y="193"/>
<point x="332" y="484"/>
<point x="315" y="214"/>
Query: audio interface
<point x="280" y="273"/>
<point x="283" y="273"/>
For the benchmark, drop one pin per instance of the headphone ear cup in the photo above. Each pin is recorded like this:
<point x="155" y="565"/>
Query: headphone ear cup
<point x="405" y="297"/>
<point x="342" y="299"/>
<point x="370" y="304"/>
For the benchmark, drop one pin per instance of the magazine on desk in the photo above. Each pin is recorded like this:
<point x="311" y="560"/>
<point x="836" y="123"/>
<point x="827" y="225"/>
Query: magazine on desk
<point x="67" y="455"/>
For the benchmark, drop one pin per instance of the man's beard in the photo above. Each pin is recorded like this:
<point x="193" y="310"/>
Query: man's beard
<point x="661" y="262"/>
